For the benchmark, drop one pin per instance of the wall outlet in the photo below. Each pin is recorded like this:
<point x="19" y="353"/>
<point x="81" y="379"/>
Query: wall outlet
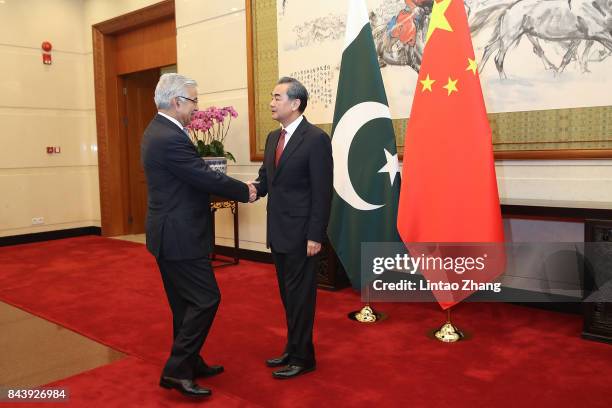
<point x="38" y="220"/>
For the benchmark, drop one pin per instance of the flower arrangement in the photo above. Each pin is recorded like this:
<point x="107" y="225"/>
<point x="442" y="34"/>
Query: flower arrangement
<point x="208" y="130"/>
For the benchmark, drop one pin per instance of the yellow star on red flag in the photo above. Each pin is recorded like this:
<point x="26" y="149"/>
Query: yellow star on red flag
<point x="451" y="86"/>
<point x="427" y="82"/>
<point x="472" y="66"/>
<point x="438" y="20"/>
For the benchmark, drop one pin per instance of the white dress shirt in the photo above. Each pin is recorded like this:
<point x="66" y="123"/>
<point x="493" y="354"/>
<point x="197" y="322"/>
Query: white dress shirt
<point x="171" y="119"/>
<point x="291" y="128"/>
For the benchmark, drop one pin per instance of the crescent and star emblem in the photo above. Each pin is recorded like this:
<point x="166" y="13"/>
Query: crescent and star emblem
<point x="344" y="133"/>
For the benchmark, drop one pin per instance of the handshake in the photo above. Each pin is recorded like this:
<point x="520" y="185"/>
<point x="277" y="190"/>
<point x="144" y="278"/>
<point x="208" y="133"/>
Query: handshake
<point x="252" y="191"/>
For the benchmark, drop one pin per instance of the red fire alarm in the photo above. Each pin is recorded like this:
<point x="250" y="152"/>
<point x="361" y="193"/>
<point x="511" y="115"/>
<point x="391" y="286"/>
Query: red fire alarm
<point x="46" y="55"/>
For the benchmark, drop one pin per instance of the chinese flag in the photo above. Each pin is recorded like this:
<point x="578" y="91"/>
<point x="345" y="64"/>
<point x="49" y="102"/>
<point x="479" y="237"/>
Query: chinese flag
<point x="449" y="189"/>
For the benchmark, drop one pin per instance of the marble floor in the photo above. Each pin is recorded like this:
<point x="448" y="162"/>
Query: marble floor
<point x="35" y="351"/>
<point x="140" y="238"/>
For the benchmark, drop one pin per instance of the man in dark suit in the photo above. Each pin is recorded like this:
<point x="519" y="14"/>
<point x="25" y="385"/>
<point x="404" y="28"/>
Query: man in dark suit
<point x="297" y="176"/>
<point x="178" y="228"/>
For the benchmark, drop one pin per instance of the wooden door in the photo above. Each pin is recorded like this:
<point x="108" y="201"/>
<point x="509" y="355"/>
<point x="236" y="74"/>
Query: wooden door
<point x="134" y="42"/>
<point x="138" y="91"/>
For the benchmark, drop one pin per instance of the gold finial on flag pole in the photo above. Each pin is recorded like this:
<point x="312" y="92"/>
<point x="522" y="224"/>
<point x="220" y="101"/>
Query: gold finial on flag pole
<point x="448" y="333"/>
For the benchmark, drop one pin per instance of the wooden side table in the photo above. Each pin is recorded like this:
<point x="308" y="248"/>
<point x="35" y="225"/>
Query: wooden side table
<point x="217" y="203"/>
<point x="597" y="307"/>
<point x="330" y="272"/>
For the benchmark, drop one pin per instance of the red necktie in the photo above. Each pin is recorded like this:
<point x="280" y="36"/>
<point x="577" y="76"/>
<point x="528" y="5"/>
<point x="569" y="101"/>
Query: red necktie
<point x="280" y="146"/>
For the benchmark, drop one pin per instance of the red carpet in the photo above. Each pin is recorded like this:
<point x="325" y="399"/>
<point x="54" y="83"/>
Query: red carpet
<point x="111" y="291"/>
<point x="127" y="383"/>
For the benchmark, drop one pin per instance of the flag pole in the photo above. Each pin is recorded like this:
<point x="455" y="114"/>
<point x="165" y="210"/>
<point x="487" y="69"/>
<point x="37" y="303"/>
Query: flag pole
<point x="448" y="333"/>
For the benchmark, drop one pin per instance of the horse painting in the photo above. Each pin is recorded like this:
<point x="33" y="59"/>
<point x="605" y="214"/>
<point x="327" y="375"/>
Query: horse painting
<point x="566" y="22"/>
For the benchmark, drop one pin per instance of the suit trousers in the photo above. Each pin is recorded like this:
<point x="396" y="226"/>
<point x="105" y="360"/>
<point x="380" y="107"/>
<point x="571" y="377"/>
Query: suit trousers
<point x="194" y="298"/>
<point x="297" y="283"/>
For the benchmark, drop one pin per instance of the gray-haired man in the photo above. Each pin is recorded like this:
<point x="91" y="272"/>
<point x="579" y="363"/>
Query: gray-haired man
<point x="178" y="228"/>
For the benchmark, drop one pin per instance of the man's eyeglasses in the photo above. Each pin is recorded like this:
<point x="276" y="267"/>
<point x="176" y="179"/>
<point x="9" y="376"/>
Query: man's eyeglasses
<point x="189" y="99"/>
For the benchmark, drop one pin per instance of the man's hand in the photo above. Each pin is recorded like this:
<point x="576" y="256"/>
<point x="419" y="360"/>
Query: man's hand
<point x="252" y="192"/>
<point x="312" y="248"/>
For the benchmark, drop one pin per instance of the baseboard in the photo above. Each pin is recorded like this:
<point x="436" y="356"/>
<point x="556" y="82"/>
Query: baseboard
<point x="247" y="254"/>
<point x="597" y="337"/>
<point x="49" y="235"/>
<point x="571" y="307"/>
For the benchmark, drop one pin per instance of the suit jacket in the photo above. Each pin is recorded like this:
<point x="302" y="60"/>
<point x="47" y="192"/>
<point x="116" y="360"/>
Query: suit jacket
<point x="299" y="190"/>
<point x="179" y="182"/>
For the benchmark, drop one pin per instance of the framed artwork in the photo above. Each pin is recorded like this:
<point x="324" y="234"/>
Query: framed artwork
<point x="548" y="96"/>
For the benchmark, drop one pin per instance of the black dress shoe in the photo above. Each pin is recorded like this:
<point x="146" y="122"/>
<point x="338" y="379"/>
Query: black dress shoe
<point x="185" y="387"/>
<point x="291" y="371"/>
<point x="208" y="371"/>
<point x="278" y="361"/>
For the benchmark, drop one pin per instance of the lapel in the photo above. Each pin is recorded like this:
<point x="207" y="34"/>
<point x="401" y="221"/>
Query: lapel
<point x="294" y="142"/>
<point x="159" y="118"/>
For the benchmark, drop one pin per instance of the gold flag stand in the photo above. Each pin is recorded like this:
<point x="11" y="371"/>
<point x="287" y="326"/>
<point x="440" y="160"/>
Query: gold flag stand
<point x="448" y="333"/>
<point x="366" y="314"/>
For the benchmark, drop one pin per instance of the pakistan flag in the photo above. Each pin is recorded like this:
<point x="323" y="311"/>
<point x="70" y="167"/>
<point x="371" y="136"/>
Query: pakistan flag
<point x="366" y="169"/>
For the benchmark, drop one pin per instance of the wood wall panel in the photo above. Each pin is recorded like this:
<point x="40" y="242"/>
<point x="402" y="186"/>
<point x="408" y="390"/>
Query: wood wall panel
<point x="146" y="47"/>
<point x="128" y="43"/>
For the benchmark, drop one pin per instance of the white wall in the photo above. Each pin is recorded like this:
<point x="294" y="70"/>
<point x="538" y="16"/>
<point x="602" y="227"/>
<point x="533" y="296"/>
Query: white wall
<point x="43" y="106"/>
<point x="211" y="47"/>
<point x="52" y="105"/>
<point x="563" y="183"/>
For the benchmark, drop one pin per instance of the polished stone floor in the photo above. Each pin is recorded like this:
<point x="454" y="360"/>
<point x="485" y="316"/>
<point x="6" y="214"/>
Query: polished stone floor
<point x="139" y="238"/>
<point x="34" y="351"/>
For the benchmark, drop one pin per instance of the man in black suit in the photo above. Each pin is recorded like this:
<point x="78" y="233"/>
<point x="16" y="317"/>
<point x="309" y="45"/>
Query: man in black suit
<point x="297" y="176"/>
<point x="178" y="228"/>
